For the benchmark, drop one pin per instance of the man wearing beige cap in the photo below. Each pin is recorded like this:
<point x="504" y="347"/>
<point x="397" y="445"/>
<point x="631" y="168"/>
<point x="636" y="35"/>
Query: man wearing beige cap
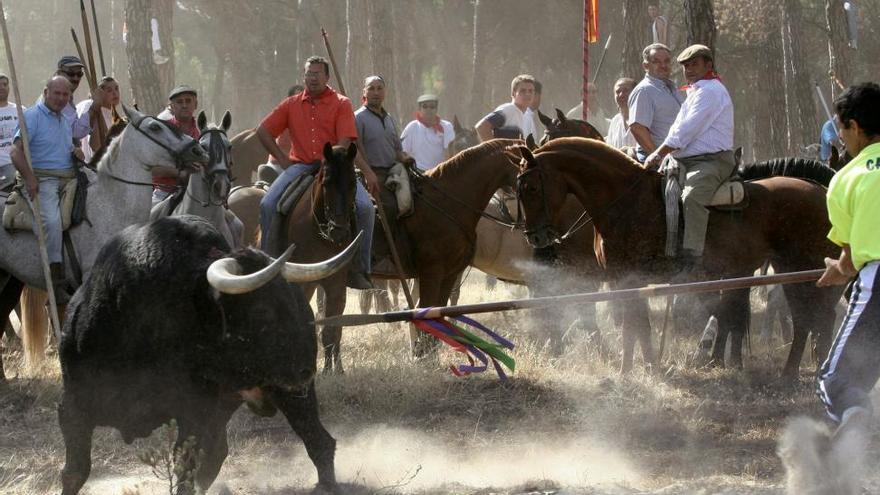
<point x="427" y="138"/>
<point x="701" y="139"/>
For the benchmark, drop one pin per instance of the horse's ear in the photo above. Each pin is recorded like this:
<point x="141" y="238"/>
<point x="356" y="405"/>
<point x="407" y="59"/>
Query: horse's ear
<point x="547" y="121"/>
<point x="328" y="151"/>
<point x="456" y="125"/>
<point x="132" y="113"/>
<point x="227" y="121"/>
<point x="351" y="152"/>
<point x="202" y="121"/>
<point x="528" y="159"/>
<point x="560" y="116"/>
<point x="530" y="142"/>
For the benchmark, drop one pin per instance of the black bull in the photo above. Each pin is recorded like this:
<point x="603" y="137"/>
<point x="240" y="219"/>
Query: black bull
<point x="147" y="340"/>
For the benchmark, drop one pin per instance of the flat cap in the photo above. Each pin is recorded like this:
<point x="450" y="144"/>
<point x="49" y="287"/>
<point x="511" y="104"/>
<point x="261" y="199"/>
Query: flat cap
<point x="694" y="51"/>
<point x="181" y="90"/>
<point x="427" y="97"/>
<point x="70" y="61"/>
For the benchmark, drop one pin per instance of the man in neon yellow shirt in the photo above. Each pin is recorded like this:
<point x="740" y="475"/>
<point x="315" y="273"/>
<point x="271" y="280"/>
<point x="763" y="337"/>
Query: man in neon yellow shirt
<point x="853" y="365"/>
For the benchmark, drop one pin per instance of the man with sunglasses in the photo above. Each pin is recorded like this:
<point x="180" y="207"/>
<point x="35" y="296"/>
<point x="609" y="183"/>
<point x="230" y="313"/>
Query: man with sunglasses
<point x="427" y="138"/>
<point x="71" y="68"/>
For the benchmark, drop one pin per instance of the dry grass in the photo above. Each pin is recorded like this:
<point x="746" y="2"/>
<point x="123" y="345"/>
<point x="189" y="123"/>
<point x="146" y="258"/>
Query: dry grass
<point x="564" y="423"/>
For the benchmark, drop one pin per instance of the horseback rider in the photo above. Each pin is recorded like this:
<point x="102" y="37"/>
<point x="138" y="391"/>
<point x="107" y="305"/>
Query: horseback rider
<point x="379" y="134"/>
<point x="102" y="105"/>
<point x="851" y="370"/>
<point x="183" y="101"/>
<point x="313" y="118"/>
<point x="513" y="119"/>
<point x="52" y="152"/>
<point x="427" y="138"/>
<point x="654" y="102"/>
<point x="701" y="140"/>
<point x="71" y="68"/>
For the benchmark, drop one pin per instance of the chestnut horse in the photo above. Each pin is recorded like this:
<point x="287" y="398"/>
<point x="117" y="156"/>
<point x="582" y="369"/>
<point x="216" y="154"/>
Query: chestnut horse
<point x="785" y="222"/>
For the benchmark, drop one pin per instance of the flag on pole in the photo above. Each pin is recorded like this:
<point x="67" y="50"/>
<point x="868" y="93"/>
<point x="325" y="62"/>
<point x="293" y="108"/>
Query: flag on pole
<point x="592" y="24"/>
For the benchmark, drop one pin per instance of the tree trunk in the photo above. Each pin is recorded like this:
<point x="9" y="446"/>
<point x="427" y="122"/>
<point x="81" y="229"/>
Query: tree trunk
<point x="141" y="70"/>
<point x="840" y="54"/>
<point x="700" y="20"/>
<point x="382" y="45"/>
<point x="478" y="66"/>
<point x="637" y="35"/>
<point x="799" y="91"/>
<point x="163" y="12"/>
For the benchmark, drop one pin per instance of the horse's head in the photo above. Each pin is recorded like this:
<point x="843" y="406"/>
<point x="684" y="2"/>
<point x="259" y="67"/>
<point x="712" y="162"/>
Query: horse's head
<point x="562" y="126"/>
<point x="215" y="174"/>
<point x="337" y="182"/>
<point x="464" y="138"/>
<point x="540" y="192"/>
<point x="159" y="144"/>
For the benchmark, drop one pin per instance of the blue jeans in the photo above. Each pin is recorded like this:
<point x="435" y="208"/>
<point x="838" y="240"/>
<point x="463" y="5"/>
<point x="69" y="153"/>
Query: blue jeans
<point x="50" y="212"/>
<point x="364" y="212"/>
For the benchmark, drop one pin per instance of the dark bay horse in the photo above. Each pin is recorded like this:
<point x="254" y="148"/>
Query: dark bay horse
<point x="785" y="222"/>
<point x="563" y="126"/>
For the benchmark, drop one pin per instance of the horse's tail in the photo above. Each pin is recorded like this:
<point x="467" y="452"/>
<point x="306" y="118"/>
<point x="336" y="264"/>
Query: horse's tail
<point x="800" y="168"/>
<point x="34" y="325"/>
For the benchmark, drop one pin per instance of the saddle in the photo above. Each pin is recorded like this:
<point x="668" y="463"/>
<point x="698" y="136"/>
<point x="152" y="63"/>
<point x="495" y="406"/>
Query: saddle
<point x="17" y="214"/>
<point x="730" y="196"/>
<point x="397" y="203"/>
<point x="276" y="240"/>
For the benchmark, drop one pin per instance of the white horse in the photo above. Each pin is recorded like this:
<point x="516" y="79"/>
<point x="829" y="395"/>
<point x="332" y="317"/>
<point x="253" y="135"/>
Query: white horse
<point x="207" y="190"/>
<point x="119" y="195"/>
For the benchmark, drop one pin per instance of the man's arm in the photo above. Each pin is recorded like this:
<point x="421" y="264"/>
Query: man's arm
<point x="269" y="143"/>
<point x="21" y="164"/>
<point x="484" y="130"/>
<point x="839" y="271"/>
<point x="643" y="137"/>
<point x="372" y="182"/>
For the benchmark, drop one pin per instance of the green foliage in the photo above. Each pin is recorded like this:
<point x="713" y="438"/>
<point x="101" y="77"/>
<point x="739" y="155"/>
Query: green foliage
<point x="174" y="466"/>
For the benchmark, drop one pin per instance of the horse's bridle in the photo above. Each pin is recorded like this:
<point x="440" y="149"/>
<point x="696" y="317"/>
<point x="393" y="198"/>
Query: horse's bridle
<point x="326" y="228"/>
<point x="216" y="154"/>
<point x="176" y="154"/>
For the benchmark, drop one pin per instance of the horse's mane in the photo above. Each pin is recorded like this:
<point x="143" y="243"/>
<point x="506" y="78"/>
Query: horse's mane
<point x="598" y="149"/>
<point x="800" y="168"/>
<point x="115" y="130"/>
<point x="470" y="157"/>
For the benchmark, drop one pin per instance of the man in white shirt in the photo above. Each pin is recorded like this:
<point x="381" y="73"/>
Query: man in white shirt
<point x="508" y="118"/>
<point x="618" y="131"/>
<point x="701" y="139"/>
<point x="427" y="138"/>
<point x="8" y="124"/>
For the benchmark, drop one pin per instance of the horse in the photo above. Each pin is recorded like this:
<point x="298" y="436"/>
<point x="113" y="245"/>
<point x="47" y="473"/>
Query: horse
<point x="119" y="196"/>
<point x="207" y="189"/>
<point x="627" y="209"/>
<point x="562" y="126"/>
<point x="248" y="153"/>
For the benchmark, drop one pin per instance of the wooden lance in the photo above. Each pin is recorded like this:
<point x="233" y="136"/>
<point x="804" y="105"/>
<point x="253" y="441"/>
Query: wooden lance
<point x="98" y="39"/>
<point x="33" y="203"/>
<point x="589" y="297"/>
<point x="381" y="211"/>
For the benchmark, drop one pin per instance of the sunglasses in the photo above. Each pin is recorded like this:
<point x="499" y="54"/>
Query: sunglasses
<point x="429" y="106"/>
<point x="74" y="74"/>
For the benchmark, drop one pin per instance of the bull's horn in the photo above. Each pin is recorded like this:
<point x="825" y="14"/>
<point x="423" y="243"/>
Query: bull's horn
<point x="301" y="273"/>
<point x="225" y="274"/>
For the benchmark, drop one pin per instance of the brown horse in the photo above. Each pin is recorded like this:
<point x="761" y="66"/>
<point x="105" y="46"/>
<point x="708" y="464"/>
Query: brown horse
<point x="563" y="126"/>
<point x="785" y="222"/>
<point x="248" y="153"/>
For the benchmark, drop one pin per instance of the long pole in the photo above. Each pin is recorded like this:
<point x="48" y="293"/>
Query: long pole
<point x="98" y="39"/>
<point x="381" y="211"/>
<point x="87" y="36"/>
<point x="81" y="55"/>
<point x="601" y="58"/>
<point x="34" y="204"/>
<point x="586" y="65"/>
<point x="589" y="297"/>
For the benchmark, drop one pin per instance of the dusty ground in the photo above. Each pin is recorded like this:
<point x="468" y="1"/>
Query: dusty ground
<point x="563" y="424"/>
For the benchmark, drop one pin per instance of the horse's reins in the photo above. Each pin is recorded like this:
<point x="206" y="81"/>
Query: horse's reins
<point x="216" y="154"/>
<point x="324" y="228"/>
<point x="482" y="213"/>
<point x="175" y="154"/>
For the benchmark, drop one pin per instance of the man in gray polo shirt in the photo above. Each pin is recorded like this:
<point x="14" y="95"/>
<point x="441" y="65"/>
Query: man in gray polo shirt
<point x="654" y="102"/>
<point x="378" y="135"/>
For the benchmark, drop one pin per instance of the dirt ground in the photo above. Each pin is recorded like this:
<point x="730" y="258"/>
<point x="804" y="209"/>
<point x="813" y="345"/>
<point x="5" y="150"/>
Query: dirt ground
<point x="564" y="423"/>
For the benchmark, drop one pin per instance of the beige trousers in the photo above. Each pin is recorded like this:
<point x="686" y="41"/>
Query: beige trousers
<point x="703" y="175"/>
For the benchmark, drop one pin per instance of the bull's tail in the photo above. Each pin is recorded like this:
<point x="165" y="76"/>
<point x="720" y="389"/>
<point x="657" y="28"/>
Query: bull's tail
<point x="34" y="325"/>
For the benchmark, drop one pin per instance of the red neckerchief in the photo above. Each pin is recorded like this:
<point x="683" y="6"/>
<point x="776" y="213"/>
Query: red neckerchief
<point x="709" y="75"/>
<point x="437" y="127"/>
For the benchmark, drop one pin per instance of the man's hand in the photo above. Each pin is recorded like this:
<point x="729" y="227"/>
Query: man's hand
<point x="32" y="185"/>
<point x="78" y="152"/>
<point x="833" y="274"/>
<point x="372" y="182"/>
<point x="653" y="160"/>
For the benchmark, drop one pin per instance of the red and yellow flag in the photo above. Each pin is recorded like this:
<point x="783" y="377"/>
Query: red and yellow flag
<point x="591" y="18"/>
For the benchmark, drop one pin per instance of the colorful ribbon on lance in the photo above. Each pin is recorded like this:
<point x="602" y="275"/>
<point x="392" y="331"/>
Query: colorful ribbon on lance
<point x="454" y="334"/>
<point x="592" y="17"/>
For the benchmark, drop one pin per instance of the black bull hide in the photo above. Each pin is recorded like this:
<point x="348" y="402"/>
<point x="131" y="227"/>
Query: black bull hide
<point x="147" y="340"/>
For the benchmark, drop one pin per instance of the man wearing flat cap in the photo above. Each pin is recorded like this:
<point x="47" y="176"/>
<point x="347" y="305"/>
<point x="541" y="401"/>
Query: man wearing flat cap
<point x="701" y="139"/>
<point x="72" y="69"/>
<point x="427" y="138"/>
<point x="183" y="101"/>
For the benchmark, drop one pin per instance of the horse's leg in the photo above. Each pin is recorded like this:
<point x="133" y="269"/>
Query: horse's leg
<point x="455" y="292"/>
<point x="636" y="327"/>
<point x="365" y="299"/>
<point x="734" y="320"/>
<point x="433" y="291"/>
<point x="383" y="302"/>
<point x="9" y="297"/>
<point x="812" y="311"/>
<point x="321" y="300"/>
<point x="77" y="432"/>
<point x="331" y="336"/>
